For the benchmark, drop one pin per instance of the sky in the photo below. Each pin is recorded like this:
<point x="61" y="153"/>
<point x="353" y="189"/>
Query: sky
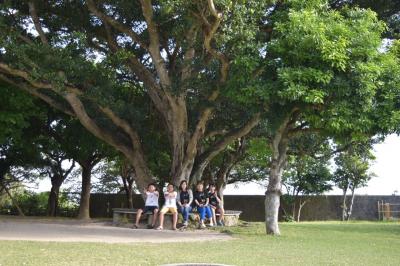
<point x="386" y="168"/>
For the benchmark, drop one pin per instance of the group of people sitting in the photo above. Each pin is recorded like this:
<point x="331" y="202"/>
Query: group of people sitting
<point x="205" y="201"/>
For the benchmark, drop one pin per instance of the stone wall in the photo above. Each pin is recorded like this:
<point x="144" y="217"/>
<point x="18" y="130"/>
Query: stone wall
<point x="252" y="207"/>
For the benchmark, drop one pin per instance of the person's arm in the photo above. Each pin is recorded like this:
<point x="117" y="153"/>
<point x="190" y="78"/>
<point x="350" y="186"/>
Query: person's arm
<point x="197" y="202"/>
<point x="218" y="199"/>
<point x="190" y="197"/>
<point x="178" y="199"/>
<point x="207" y="201"/>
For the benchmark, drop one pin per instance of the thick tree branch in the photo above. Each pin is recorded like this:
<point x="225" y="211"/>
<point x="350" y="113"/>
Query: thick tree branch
<point x="36" y="22"/>
<point x="156" y="94"/>
<point x="203" y="160"/>
<point x="231" y="136"/>
<point x="211" y="29"/>
<point x="135" y="155"/>
<point x="37" y="84"/>
<point x="134" y="136"/>
<point x="115" y="24"/>
<point x="34" y="91"/>
<point x="189" y="54"/>
<point x="215" y="133"/>
<point x="154" y="47"/>
<point x="90" y="124"/>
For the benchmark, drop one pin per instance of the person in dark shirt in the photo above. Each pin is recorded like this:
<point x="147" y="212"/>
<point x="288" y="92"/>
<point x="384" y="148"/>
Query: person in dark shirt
<point x="184" y="201"/>
<point x="215" y="205"/>
<point x="201" y="202"/>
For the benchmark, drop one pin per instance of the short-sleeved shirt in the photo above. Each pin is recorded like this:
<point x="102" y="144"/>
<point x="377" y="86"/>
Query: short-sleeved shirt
<point x="151" y="198"/>
<point x="212" y="199"/>
<point x="184" y="197"/>
<point x="170" y="199"/>
<point x="201" y="197"/>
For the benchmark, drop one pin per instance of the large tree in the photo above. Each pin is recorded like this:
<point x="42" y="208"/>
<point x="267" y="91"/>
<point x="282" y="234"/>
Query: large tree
<point x="101" y="61"/>
<point x="324" y="72"/>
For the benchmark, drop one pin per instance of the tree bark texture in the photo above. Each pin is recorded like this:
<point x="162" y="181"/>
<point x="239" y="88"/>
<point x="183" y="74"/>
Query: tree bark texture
<point x="279" y="146"/>
<point x="84" y="206"/>
<point x="52" y="207"/>
<point x="350" y="208"/>
<point x="127" y="176"/>
<point x="344" y="204"/>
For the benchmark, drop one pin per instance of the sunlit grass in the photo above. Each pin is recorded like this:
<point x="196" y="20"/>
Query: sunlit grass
<point x="308" y="243"/>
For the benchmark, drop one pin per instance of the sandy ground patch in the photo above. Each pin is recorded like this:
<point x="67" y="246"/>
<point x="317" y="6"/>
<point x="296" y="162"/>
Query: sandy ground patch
<point x="95" y="231"/>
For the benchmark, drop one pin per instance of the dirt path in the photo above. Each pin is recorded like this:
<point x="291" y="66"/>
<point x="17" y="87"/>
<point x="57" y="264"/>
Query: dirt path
<point x="75" y="231"/>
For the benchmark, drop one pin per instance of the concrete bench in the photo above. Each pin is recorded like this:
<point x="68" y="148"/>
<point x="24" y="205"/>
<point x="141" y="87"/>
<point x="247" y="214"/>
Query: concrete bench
<point x="119" y="213"/>
<point x="231" y="217"/>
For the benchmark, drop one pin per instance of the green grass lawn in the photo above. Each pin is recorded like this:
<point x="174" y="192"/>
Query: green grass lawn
<point x="308" y="243"/>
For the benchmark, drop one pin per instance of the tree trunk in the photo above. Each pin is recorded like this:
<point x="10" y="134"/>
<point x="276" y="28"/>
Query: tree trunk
<point x="20" y="212"/>
<point x="221" y="195"/>
<point x="128" y="175"/>
<point x="272" y="202"/>
<point x="279" y="146"/>
<point x="130" y="199"/>
<point x="52" y="207"/>
<point x="344" y="205"/>
<point x="350" y="209"/>
<point x="84" y="205"/>
<point x="301" y="205"/>
<point x="272" y="199"/>
<point x="294" y="208"/>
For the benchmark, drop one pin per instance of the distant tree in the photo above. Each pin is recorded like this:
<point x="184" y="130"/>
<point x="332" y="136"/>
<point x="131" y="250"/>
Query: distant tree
<point x="57" y="173"/>
<point x="242" y="161"/>
<point x="80" y="146"/>
<point x="307" y="172"/>
<point x="353" y="171"/>
<point x="118" y="175"/>
<point x="19" y="136"/>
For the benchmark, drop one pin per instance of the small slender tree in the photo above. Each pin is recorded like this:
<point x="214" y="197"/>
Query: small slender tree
<point x="353" y="171"/>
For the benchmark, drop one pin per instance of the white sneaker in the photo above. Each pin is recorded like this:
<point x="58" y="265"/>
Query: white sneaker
<point x="185" y="223"/>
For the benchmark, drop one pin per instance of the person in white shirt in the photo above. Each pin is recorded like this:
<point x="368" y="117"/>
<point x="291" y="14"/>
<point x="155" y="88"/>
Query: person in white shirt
<point x="169" y="206"/>
<point x="151" y="205"/>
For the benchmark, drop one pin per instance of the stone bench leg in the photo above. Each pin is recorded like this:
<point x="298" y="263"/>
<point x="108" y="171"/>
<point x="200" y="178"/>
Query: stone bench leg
<point x="116" y="218"/>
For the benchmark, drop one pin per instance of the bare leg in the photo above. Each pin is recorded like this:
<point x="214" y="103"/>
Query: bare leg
<point x="174" y="220"/>
<point x="139" y="213"/>
<point x="155" y="214"/>
<point x="214" y="219"/>
<point x="221" y="214"/>
<point x="161" y="219"/>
